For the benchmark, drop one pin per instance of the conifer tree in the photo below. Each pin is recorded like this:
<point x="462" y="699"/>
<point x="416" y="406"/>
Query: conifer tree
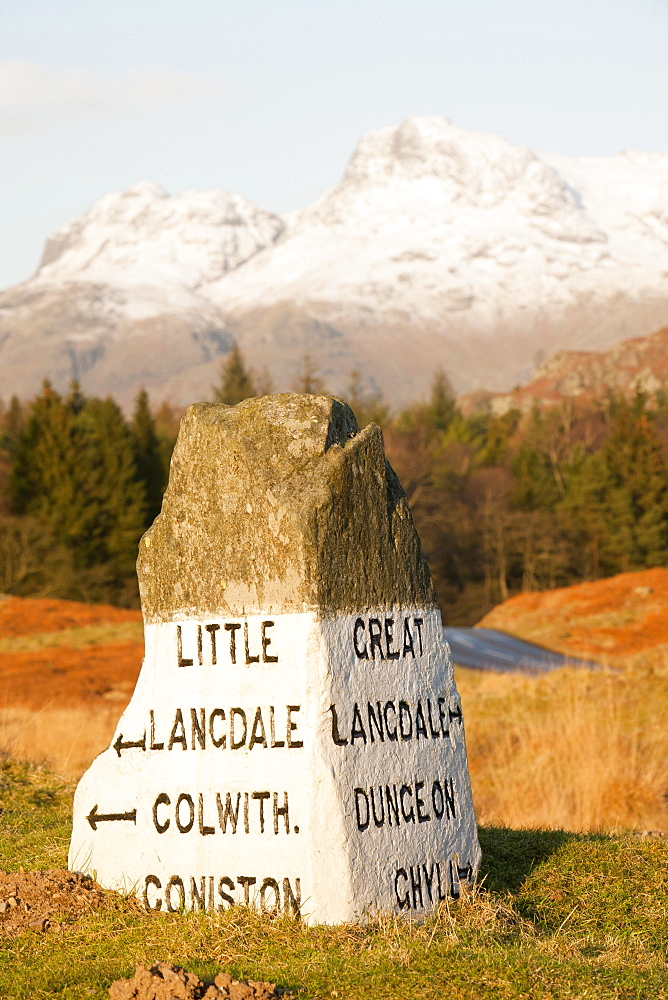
<point x="442" y="403"/>
<point x="115" y="501"/>
<point x="236" y="382"/>
<point x="637" y="495"/>
<point x="148" y="455"/>
<point x="46" y="460"/>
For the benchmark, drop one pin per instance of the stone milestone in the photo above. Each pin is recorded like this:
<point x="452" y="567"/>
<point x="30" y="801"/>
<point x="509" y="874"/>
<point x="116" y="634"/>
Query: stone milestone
<point x="295" y="740"/>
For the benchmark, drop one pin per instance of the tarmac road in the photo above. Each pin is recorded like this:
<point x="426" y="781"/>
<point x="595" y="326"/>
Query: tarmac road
<point x="487" y="649"/>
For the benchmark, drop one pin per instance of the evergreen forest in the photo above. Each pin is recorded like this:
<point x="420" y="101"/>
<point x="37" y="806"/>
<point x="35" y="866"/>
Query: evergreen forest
<point x="503" y="503"/>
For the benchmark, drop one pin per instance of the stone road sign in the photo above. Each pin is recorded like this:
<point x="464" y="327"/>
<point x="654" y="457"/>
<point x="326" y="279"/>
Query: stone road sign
<point x="295" y="740"/>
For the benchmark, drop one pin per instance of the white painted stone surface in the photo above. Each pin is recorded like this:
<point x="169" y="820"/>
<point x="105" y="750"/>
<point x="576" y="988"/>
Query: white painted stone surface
<point x="354" y="723"/>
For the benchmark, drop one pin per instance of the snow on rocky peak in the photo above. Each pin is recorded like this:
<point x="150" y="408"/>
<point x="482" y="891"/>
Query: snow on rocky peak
<point x="431" y="219"/>
<point x="480" y="254"/>
<point x="144" y="237"/>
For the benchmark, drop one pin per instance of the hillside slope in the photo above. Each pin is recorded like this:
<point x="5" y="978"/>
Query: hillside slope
<point x="622" y="620"/>
<point x="640" y="363"/>
<point x="480" y="254"/>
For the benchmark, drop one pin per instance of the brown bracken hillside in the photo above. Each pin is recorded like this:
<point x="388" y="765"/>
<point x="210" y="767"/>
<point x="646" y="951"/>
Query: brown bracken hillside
<point x="620" y="620"/>
<point x="63" y="653"/>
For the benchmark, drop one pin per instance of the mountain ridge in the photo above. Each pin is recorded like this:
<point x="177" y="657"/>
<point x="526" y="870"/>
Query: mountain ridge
<point x="440" y="247"/>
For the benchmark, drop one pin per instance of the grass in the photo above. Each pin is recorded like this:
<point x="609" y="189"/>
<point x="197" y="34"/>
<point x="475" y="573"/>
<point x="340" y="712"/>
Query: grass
<point x="74" y="638"/>
<point x="572" y="749"/>
<point x="68" y="737"/>
<point x="560" y="915"/>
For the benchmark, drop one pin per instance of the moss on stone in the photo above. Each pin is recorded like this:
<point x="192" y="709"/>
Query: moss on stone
<point x="280" y="504"/>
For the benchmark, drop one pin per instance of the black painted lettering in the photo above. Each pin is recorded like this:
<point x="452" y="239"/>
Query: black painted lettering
<point x="455" y="713"/>
<point x="203" y="828"/>
<point x="403" y="900"/>
<point x="226" y="899"/>
<point x="198" y="728"/>
<point x="266" y="642"/>
<point x="408" y="641"/>
<point x="378" y="820"/>
<point x="220" y="741"/>
<point x="405" y="713"/>
<point x="391" y="733"/>
<point x="179" y="649"/>
<point x="292" y="899"/>
<point x="336" y="736"/>
<point x="175" y="883"/>
<point x="162" y="800"/>
<point x="255" y="658"/>
<point x="232" y="627"/>
<point x="392" y="654"/>
<point x="357" y="731"/>
<point x="198" y="893"/>
<point x="416" y="886"/>
<point x="437" y="799"/>
<point x="281" y="811"/>
<point x="246" y="822"/>
<point x="361" y="799"/>
<point x="270" y="883"/>
<point x="228" y="813"/>
<point x="432" y="728"/>
<point x="272" y="730"/>
<point x="420" y="726"/>
<point x="455" y="885"/>
<point x="418" y="622"/>
<point x="154" y="881"/>
<point x="375" y="633"/>
<point x="423" y="817"/>
<point x="361" y="653"/>
<point x="212" y="629"/>
<point x="409" y="816"/>
<point x="258" y="734"/>
<point x="260" y="797"/>
<point x="175" y="735"/>
<point x="246" y="881"/>
<point x="392" y="804"/>
<point x="375" y="720"/>
<point x="153" y="745"/>
<point x="449" y="792"/>
<point x="237" y="713"/>
<point x="429" y="880"/>
<point x="200" y="658"/>
<point x="443" y="718"/>
<point x="441" y="894"/>
<point x="212" y="901"/>
<point x="291" y="727"/>
<point x="188" y="825"/>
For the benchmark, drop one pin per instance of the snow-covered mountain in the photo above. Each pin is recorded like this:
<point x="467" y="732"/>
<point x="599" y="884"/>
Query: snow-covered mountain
<point x="440" y="247"/>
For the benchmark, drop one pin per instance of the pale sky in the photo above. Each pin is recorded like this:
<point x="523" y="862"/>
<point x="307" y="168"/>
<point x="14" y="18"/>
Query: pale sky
<point x="269" y="98"/>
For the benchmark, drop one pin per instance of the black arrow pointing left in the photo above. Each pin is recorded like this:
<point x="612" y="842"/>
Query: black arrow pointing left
<point x="94" y="817"/>
<point x="129" y="744"/>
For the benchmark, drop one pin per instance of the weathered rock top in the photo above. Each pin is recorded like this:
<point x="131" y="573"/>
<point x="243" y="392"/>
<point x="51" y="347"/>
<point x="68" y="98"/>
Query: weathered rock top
<point x="280" y="504"/>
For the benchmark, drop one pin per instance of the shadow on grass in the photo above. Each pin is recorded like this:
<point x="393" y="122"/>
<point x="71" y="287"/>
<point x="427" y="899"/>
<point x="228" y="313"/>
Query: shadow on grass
<point x="509" y="855"/>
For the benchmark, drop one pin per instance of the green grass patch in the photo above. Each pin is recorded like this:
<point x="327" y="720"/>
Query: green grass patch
<point x="74" y="638"/>
<point x="559" y="915"/>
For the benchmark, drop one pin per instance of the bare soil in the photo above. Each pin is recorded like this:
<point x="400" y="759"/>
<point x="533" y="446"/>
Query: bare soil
<point x="171" y="982"/>
<point x="49" y="901"/>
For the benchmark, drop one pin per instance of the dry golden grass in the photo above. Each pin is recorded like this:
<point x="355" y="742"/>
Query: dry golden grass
<point x="570" y="750"/>
<point x="67" y="739"/>
<point x="576" y="750"/>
